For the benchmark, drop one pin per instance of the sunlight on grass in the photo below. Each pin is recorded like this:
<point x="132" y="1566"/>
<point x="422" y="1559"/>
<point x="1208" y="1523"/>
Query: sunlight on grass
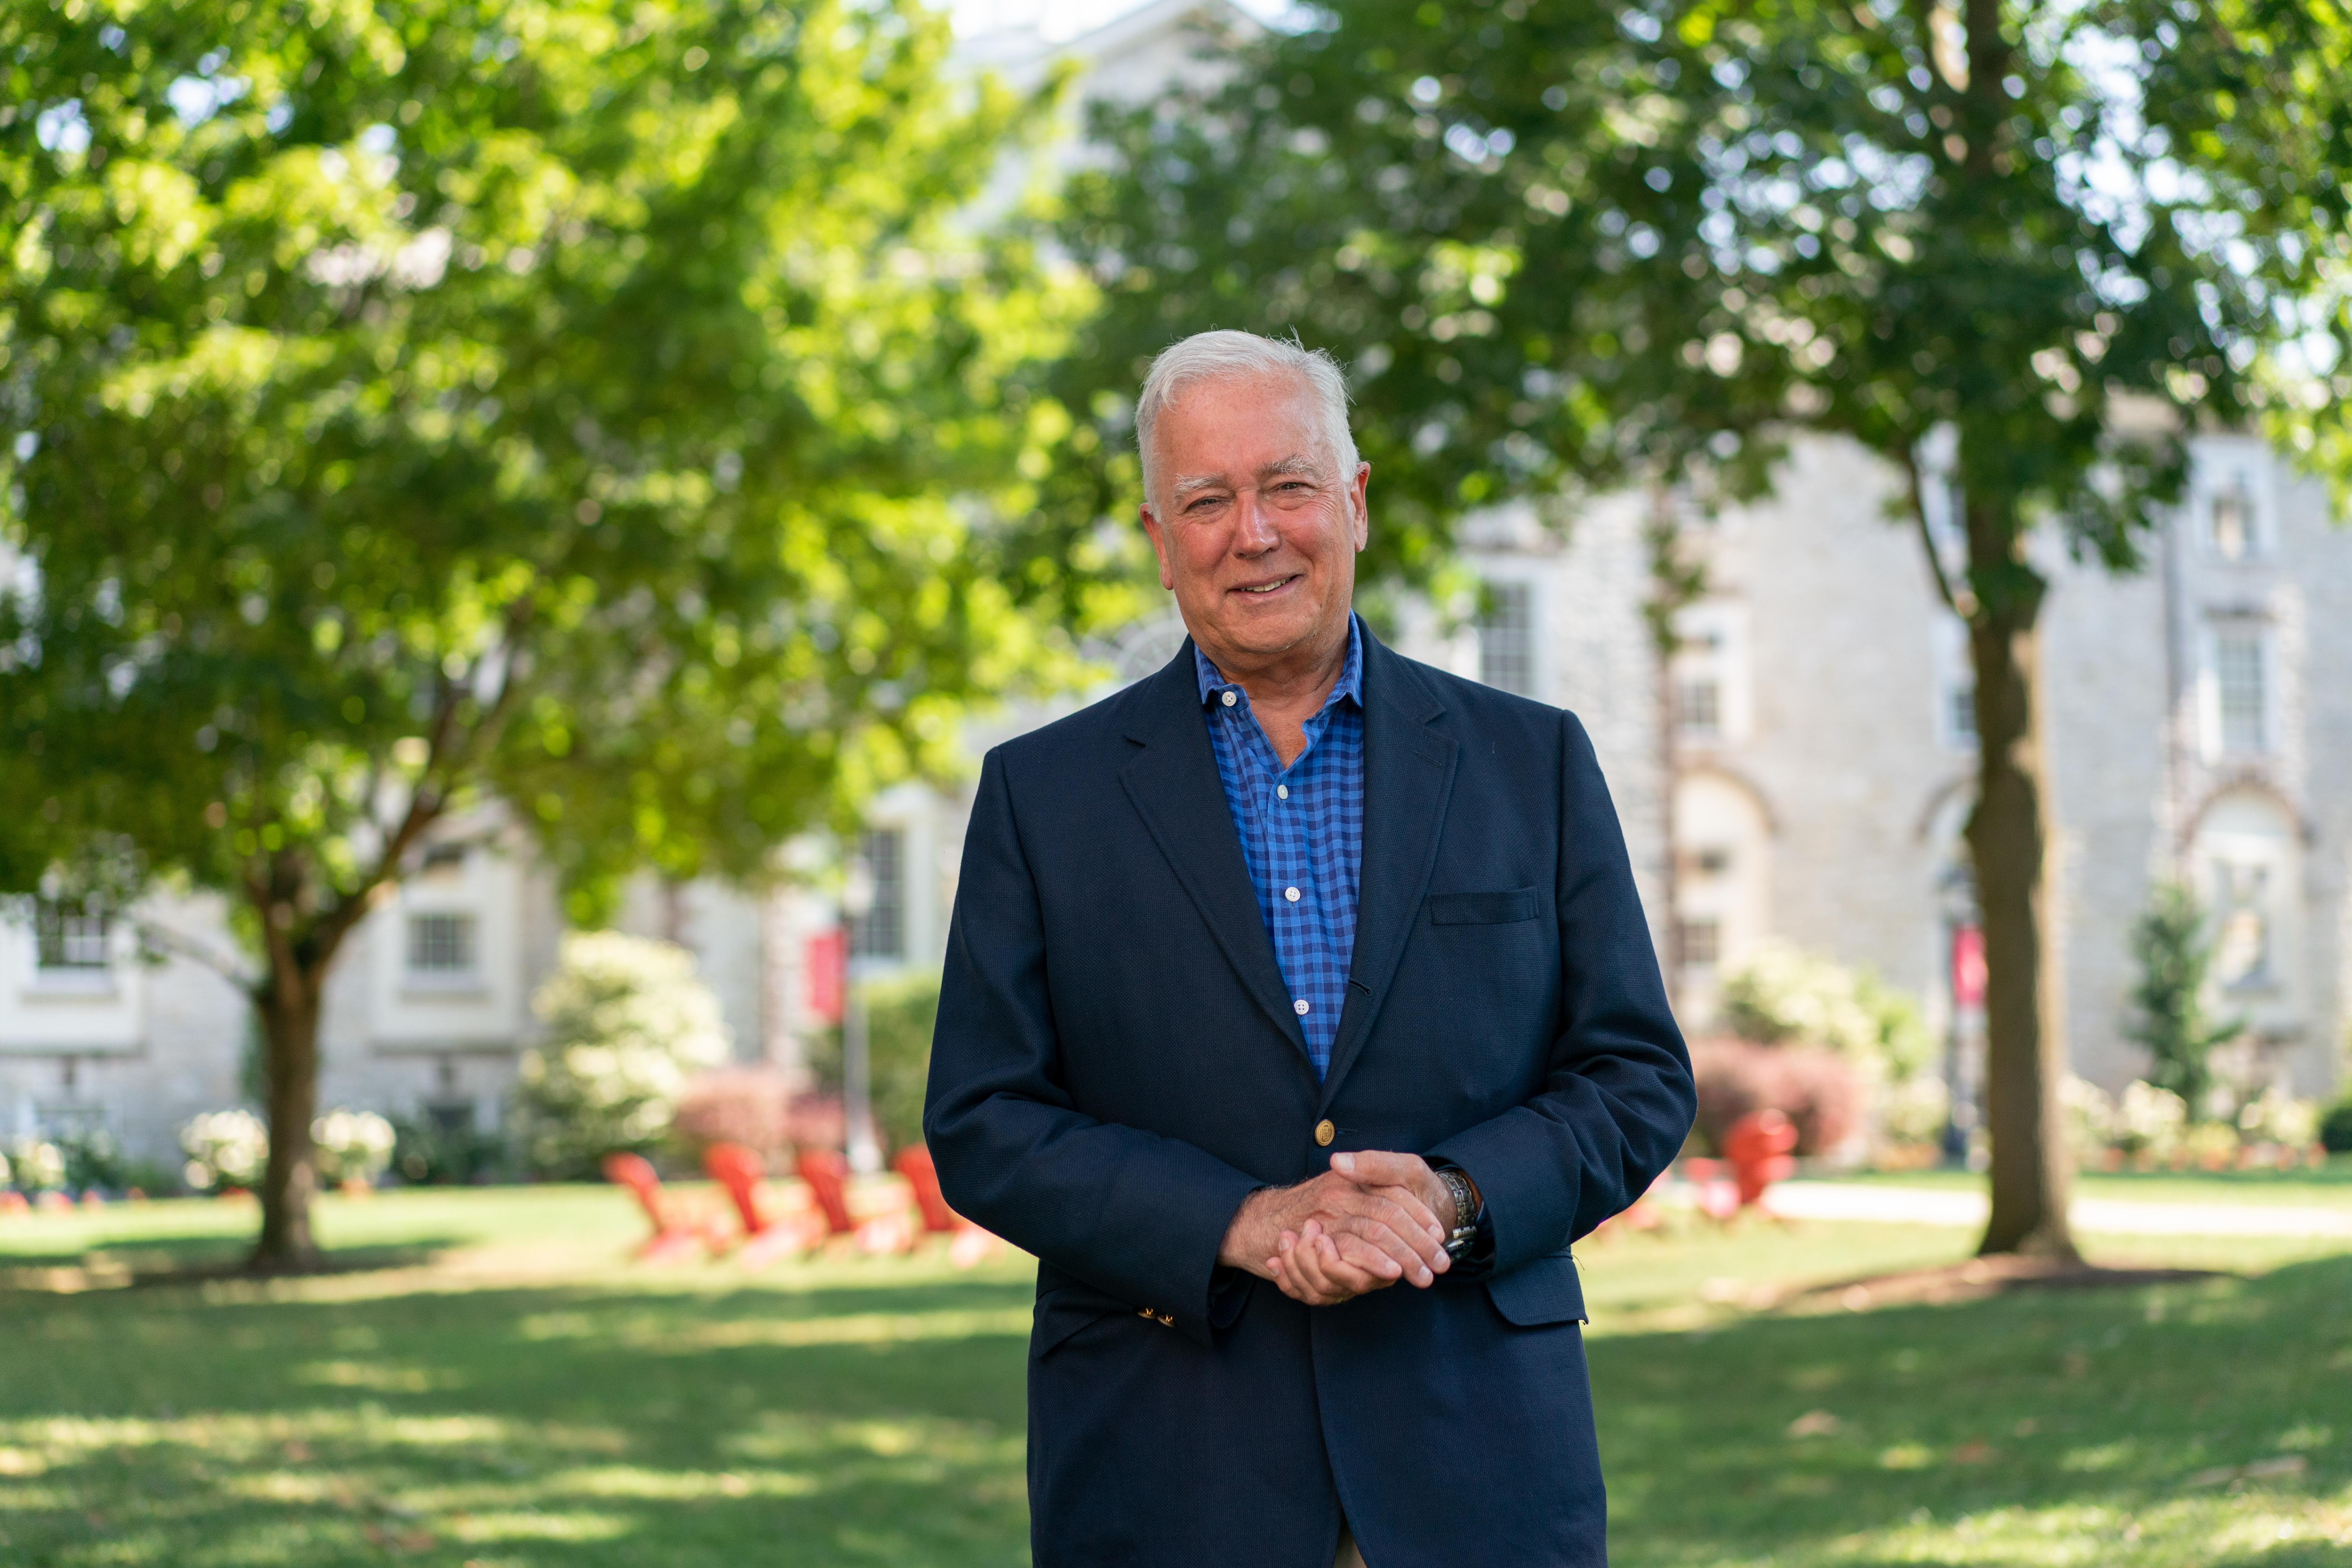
<point x="509" y="1392"/>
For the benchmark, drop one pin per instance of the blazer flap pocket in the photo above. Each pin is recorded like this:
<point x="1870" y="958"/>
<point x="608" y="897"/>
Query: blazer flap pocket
<point x="1543" y="1290"/>
<point x="1062" y="1312"/>
<point x="1482" y="908"/>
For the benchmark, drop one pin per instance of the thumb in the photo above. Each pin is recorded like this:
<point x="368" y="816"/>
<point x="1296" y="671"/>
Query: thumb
<point x="1375" y="1167"/>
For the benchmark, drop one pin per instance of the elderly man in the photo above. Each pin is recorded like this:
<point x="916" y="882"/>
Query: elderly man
<point x="1299" y="1012"/>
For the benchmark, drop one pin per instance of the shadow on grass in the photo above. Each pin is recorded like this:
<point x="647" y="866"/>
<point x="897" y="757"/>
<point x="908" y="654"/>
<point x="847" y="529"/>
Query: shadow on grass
<point x="829" y="1419"/>
<point x="562" y="1425"/>
<point x="1933" y="1433"/>
<point x="148" y="1261"/>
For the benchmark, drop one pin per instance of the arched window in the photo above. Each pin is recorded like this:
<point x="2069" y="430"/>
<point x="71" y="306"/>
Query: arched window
<point x="2245" y="861"/>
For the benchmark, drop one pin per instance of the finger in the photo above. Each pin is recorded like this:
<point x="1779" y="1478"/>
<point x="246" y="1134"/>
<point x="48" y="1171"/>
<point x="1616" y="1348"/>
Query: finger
<point x="1362" y="1267"/>
<point x="1409" y="1218"/>
<point x="1439" y="1259"/>
<point x="1331" y="1277"/>
<point x="1379" y="1219"/>
<point x="1436" y="1235"/>
<point x="1401" y="1207"/>
<point x="1397" y="1257"/>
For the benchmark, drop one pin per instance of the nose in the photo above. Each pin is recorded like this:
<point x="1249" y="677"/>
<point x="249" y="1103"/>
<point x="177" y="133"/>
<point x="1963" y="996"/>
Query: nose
<point x="1254" y="529"/>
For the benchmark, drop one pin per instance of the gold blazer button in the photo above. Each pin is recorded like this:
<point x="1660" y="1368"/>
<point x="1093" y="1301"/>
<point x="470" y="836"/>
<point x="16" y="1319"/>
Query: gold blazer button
<point x="1325" y="1132"/>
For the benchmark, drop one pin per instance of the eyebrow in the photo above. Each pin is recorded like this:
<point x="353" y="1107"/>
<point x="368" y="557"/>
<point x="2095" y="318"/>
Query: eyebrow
<point x="1296" y="463"/>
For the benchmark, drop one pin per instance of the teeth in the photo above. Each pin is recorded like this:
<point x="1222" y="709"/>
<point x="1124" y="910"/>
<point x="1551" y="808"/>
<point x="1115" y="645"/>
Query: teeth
<point x="1266" y="587"/>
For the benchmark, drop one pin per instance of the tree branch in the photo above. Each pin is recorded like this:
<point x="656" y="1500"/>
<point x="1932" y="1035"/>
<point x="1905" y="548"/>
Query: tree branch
<point x="160" y="938"/>
<point x="447" y="754"/>
<point x="1910" y="461"/>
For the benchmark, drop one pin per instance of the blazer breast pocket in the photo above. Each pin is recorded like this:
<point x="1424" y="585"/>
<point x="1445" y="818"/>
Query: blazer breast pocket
<point x="1483" y="908"/>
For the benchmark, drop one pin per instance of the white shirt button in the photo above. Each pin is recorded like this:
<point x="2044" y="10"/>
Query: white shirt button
<point x="1300" y="1006"/>
<point x="1290" y="893"/>
<point x="1229" y="699"/>
<point x="1282" y="792"/>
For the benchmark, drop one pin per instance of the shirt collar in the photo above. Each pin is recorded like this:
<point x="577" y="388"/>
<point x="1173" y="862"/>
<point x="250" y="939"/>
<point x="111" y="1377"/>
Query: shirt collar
<point x="1351" y="674"/>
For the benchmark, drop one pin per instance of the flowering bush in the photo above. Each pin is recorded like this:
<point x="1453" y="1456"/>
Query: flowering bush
<point x="745" y="1105"/>
<point x="36" y="1163"/>
<point x="1915" y="1113"/>
<point x="352" y="1145"/>
<point x="627" y="1024"/>
<point x="2149" y="1120"/>
<point x="1818" y="1090"/>
<point x="1785" y="995"/>
<point x="2091" y="1118"/>
<point x="2278" y="1118"/>
<point x="224" y="1148"/>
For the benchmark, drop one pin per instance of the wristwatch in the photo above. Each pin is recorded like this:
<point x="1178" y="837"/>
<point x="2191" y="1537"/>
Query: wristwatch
<point x="1465" y="1210"/>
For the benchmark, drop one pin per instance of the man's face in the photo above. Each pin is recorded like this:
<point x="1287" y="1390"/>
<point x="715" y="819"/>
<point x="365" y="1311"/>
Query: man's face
<point x="1256" y="527"/>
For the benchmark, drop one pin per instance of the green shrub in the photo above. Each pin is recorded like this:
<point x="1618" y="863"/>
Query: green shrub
<point x="1784" y="995"/>
<point x="2175" y="955"/>
<point x="900" y="1014"/>
<point x="627" y="1024"/>
<point x="425" y="1155"/>
<point x="2335" y="1126"/>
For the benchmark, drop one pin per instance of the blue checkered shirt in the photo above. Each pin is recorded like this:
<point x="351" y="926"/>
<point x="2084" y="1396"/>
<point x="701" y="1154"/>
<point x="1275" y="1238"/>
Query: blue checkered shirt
<point x="1302" y="831"/>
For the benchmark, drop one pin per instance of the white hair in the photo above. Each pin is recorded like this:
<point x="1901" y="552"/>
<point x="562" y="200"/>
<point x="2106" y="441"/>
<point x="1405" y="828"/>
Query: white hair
<point x="1227" y="355"/>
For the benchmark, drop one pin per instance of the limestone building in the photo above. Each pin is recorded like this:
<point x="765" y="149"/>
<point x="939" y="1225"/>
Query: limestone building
<point x="1799" y="768"/>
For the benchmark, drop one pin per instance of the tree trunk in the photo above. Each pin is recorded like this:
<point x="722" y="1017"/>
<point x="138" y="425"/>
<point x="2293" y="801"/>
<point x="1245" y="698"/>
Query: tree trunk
<point x="2008" y="841"/>
<point x="289" y="1007"/>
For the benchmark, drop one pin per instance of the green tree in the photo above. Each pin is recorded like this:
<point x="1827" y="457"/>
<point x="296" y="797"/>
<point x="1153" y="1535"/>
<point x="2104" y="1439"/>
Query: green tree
<point x="585" y="406"/>
<point x="900" y="1014"/>
<point x="2175" y="952"/>
<point x="1566" y="247"/>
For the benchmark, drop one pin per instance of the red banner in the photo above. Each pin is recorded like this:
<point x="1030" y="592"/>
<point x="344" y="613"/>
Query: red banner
<point x="1968" y="967"/>
<point x="826" y="961"/>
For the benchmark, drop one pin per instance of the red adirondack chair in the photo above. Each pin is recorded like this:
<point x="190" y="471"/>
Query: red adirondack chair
<point x="675" y="1232"/>
<point x="969" y="1242"/>
<point x="766" y="1236"/>
<point x="915" y="1165"/>
<point x="827" y="1175"/>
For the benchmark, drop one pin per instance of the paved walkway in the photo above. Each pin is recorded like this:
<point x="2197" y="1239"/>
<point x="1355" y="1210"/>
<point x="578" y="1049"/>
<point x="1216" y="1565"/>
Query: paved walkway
<point x="2113" y="1216"/>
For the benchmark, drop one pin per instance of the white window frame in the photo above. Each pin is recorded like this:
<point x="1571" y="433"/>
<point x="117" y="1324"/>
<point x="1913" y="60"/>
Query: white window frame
<point x="2260" y="634"/>
<point x="416" y="977"/>
<point x="1532" y="589"/>
<point x="1713" y="639"/>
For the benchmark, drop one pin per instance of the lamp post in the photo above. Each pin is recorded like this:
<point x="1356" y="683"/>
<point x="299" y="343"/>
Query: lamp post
<point x="1964" y="976"/>
<point x="856" y="1068"/>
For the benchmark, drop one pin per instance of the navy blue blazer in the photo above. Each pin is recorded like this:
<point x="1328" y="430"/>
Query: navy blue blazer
<point x="1116" y="1066"/>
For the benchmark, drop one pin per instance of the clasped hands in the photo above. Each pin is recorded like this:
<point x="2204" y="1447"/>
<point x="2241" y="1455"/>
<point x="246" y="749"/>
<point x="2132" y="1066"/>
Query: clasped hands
<point x="1372" y="1219"/>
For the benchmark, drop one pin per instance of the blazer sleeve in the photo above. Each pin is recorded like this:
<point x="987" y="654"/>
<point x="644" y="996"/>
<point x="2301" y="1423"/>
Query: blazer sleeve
<point x="1617" y="1098"/>
<point x="1133" y="1214"/>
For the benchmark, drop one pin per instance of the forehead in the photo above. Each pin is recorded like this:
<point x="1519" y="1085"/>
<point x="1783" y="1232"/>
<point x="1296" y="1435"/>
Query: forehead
<point x="1240" y="414"/>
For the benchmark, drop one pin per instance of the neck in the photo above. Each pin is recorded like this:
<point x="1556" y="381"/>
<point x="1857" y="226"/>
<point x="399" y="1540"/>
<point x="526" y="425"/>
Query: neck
<point x="1287" y="689"/>
<point x="1303" y="673"/>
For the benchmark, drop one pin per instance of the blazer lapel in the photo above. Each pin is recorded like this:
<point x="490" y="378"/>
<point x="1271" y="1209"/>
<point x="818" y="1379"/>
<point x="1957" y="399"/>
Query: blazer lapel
<point x="1174" y="785"/>
<point x="1408" y="776"/>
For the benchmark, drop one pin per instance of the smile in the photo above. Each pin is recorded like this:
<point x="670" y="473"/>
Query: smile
<point x="1274" y="586"/>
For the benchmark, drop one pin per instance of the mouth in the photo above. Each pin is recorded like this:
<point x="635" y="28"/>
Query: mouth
<point x="1261" y="590"/>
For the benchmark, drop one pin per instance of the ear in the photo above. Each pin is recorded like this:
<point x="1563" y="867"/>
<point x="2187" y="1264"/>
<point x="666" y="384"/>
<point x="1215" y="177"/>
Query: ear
<point x="1361" y="518"/>
<point x="1159" y="545"/>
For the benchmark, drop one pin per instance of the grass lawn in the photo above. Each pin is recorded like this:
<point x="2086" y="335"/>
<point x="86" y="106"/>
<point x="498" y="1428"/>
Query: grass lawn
<point x="497" y="1389"/>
